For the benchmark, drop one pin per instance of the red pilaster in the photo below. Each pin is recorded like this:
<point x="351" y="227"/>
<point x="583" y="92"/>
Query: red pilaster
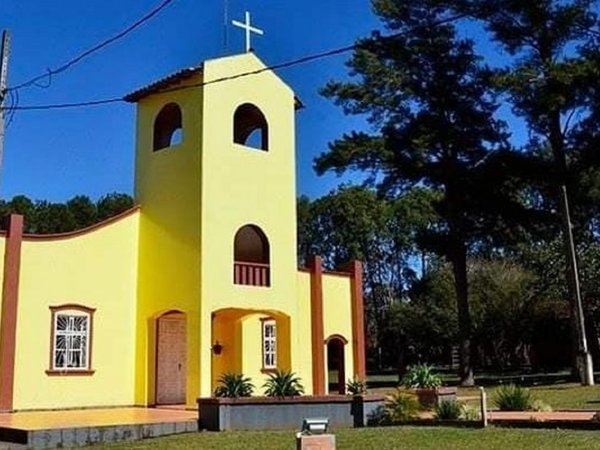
<point x="10" y="297"/>
<point x="355" y="269"/>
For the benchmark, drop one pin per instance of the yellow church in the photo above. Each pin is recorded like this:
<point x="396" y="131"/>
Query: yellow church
<point x="201" y="278"/>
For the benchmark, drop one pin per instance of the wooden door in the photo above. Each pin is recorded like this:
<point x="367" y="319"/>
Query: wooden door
<point x="171" y="355"/>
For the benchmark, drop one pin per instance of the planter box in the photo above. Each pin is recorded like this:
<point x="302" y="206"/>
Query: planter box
<point x="430" y="397"/>
<point x="272" y="413"/>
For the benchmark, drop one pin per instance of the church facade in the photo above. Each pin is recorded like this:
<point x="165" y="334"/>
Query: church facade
<point x="201" y="278"/>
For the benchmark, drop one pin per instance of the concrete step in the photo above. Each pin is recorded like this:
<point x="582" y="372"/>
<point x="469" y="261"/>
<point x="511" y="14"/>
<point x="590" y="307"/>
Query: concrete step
<point x="11" y="446"/>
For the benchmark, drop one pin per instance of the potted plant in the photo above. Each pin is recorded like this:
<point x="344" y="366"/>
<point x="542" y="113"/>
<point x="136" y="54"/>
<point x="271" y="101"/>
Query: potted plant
<point x="283" y="384"/>
<point x="356" y="386"/>
<point x="234" y="385"/>
<point x="427" y="385"/>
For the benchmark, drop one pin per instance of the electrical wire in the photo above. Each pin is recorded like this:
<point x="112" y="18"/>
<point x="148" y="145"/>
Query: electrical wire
<point x="52" y="72"/>
<point x="295" y="62"/>
<point x="13" y="98"/>
<point x="286" y="64"/>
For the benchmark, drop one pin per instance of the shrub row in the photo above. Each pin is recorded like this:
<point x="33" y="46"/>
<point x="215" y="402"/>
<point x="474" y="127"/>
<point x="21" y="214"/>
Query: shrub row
<point x="279" y="384"/>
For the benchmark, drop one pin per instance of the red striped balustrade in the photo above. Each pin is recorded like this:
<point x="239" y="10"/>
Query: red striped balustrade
<point x="251" y="274"/>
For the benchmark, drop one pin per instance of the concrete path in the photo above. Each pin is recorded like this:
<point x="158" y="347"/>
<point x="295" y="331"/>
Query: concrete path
<point x="498" y="416"/>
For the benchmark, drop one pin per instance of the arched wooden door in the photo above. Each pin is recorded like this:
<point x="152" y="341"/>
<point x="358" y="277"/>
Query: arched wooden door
<point x="336" y="365"/>
<point x="171" y="355"/>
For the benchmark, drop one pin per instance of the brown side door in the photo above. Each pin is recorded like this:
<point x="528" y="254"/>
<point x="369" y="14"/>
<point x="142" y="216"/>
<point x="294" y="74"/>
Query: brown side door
<point x="171" y="359"/>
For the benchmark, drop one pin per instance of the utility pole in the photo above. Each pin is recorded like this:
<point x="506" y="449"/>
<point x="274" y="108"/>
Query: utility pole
<point x="4" y="52"/>
<point x="584" y="358"/>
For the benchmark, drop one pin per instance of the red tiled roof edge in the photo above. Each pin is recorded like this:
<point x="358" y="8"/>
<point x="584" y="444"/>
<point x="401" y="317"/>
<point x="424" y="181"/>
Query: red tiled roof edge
<point x="175" y="78"/>
<point x="163" y="83"/>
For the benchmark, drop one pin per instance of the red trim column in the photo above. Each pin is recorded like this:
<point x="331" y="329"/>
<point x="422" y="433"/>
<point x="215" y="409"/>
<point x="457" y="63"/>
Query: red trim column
<point x="355" y="268"/>
<point x="10" y="297"/>
<point x="317" y="333"/>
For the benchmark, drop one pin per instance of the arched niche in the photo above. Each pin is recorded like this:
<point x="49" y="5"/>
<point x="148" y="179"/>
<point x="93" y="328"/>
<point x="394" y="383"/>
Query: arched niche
<point x="167" y="127"/>
<point x="251" y="255"/>
<point x="250" y="127"/>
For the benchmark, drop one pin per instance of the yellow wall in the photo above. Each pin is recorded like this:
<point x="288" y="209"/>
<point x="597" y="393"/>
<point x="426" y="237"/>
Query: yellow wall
<point x="97" y="270"/>
<point x="251" y="345"/>
<point x="167" y="186"/>
<point x="244" y="186"/>
<point x="240" y="333"/>
<point x="304" y="360"/>
<point x="337" y="315"/>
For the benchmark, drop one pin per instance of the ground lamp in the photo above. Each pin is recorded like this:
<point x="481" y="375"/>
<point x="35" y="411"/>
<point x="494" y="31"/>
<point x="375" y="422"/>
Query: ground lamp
<point x="314" y="435"/>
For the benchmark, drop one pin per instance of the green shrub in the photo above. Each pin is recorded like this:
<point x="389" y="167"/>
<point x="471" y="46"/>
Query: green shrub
<point x="469" y="413"/>
<point x="513" y="398"/>
<point x="356" y="386"/>
<point x="283" y="384"/>
<point x="421" y="376"/>
<point x="378" y="417"/>
<point x="447" y="410"/>
<point x="234" y="385"/>
<point x="538" y="405"/>
<point x="401" y="407"/>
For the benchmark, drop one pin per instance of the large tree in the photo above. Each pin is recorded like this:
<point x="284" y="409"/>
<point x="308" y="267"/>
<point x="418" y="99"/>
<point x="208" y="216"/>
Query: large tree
<point x="354" y="223"/>
<point x="553" y="83"/>
<point x="427" y="98"/>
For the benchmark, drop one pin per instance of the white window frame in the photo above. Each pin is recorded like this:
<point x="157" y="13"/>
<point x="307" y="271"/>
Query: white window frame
<point x="76" y="338"/>
<point x="269" y="344"/>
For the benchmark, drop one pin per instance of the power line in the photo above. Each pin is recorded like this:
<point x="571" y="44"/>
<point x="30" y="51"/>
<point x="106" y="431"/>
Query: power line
<point x="68" y="105"/>
<point x="51" y="72"/>
<point x="291" y="63"/>
<point x="14" y="101"/>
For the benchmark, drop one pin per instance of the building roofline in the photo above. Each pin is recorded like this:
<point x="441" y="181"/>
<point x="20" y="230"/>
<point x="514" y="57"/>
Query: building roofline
<point x="82" y="231"/>
<point x="177" y="77"/>
<point x="163" y="83"/>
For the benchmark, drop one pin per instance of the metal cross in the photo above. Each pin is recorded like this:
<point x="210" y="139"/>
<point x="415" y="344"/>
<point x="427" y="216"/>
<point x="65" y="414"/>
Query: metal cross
<point x="249" y="29"/>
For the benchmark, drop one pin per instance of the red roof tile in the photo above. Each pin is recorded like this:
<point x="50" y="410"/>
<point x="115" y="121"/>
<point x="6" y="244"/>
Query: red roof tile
<point x="163" y="83"/>
<point x="173" y="79"/>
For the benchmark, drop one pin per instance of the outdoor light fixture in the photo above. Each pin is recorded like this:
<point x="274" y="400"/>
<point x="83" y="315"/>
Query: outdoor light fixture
<point x="217" y="348"/>
<point x="315" y="425"/>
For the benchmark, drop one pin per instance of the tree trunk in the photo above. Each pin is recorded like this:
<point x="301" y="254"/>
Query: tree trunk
<point x="461" y="286"/>
<point x="401" y="363"/>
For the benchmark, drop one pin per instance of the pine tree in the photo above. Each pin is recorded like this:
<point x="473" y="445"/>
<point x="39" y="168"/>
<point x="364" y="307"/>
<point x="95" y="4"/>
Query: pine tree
<point x="428" y="99"/>
<point x="553" y="83"/>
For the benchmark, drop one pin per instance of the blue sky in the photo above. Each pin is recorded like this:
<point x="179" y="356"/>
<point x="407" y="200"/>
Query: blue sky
<point x="55" y="155"/>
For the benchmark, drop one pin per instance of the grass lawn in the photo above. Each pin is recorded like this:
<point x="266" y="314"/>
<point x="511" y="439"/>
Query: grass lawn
<point x="558" y="396"/>
<point x="382" y="438"/>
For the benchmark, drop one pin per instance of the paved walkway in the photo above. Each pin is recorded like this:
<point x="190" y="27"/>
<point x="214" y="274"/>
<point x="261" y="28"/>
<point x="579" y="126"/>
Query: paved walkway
<point x="45" y="420"/>
<point x="541" y="416"/>
<point x="528" y="416"/>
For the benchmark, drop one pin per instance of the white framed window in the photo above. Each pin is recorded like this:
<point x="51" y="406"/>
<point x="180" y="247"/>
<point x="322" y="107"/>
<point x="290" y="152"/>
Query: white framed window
<point x="71" y="339"/>
<point x="269" y="344"/>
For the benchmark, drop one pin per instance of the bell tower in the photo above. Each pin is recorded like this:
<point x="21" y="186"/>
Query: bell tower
<point x="215" y="179"/>
<point x="248" y="168"/>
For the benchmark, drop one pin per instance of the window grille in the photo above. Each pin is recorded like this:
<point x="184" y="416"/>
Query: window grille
<point x="71" y="342"/>
<point x="269" y="344"/>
